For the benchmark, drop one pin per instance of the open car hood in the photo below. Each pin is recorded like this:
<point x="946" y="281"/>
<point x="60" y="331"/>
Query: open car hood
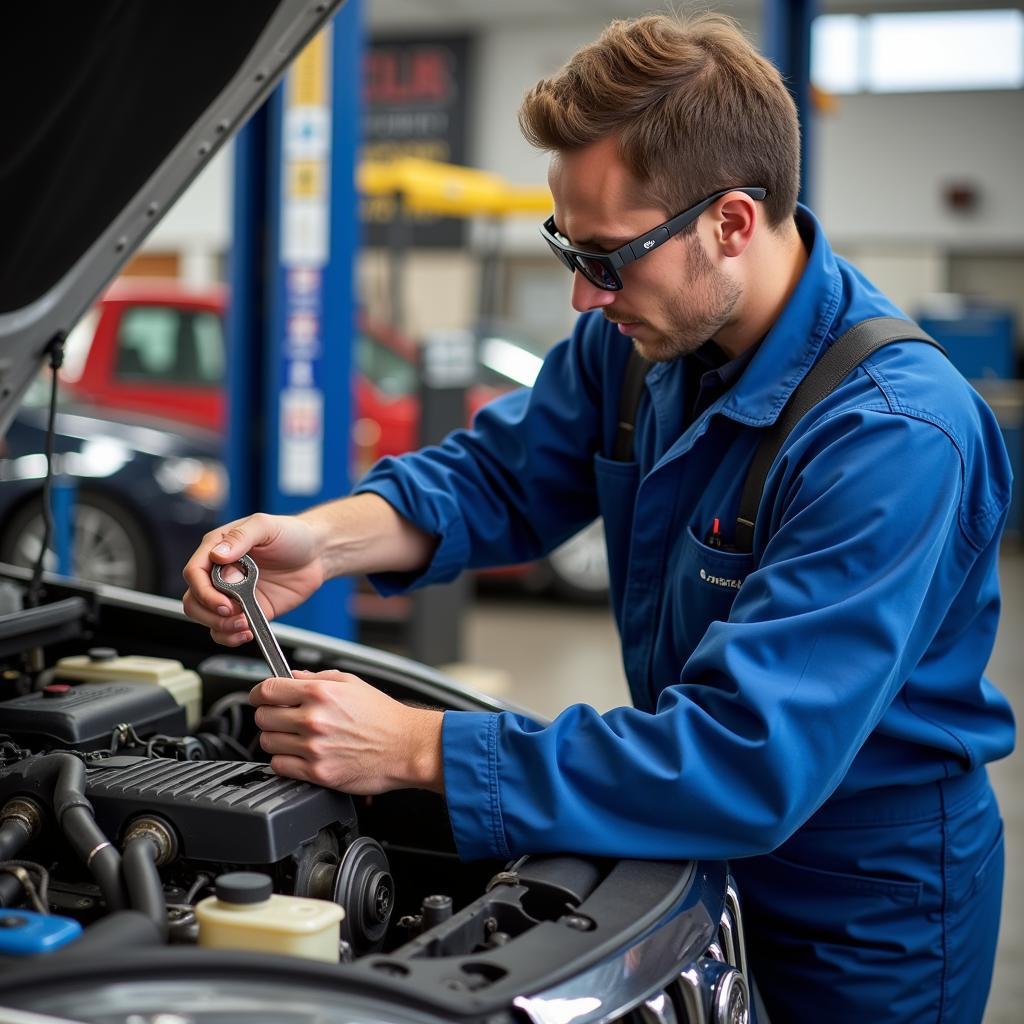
<point x="111" y="109"/>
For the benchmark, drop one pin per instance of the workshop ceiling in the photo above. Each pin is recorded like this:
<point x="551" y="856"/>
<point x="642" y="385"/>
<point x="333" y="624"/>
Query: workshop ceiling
<point x="395" y="16"/>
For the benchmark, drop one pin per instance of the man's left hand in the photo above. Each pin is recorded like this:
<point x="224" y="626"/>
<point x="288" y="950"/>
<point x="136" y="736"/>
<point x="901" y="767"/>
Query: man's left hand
<point x="335" y="730"/>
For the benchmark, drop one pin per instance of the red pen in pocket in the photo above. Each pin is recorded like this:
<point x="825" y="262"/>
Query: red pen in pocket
<point x="714" y="538"/>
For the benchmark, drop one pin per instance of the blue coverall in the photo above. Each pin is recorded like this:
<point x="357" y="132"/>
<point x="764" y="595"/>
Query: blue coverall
<point x="816" y="712"/>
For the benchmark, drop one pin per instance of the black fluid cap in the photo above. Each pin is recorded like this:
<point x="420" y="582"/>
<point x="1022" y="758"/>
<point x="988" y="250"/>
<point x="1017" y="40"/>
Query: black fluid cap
<point x="244" y="887"/>
<point x="102" y="654"/>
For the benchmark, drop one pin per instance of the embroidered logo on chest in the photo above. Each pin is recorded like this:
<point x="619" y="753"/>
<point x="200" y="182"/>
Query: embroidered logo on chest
<point x="721" y="581"/>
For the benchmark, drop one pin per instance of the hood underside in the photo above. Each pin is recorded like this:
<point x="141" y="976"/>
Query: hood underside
<point x="112" y="107"/>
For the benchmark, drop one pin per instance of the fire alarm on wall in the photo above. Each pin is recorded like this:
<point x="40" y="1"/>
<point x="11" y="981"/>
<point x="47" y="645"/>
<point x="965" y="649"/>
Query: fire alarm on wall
<point x="961" y="196"/>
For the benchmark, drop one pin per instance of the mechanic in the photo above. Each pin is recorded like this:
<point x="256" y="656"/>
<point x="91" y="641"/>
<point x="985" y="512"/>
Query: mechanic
<point x="816" y="710"/>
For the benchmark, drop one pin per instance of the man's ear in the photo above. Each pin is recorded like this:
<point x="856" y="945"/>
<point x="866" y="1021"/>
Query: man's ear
<point x="734" y="218"/>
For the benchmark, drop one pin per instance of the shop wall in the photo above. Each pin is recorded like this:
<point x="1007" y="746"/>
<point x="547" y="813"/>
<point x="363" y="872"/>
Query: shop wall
<point x="879" y="173"/>
<point x="883" y="163"/>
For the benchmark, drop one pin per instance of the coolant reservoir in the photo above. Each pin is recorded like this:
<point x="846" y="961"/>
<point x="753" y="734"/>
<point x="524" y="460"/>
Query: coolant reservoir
<point x="104" y="665"/>
<point x="247" y="914"/>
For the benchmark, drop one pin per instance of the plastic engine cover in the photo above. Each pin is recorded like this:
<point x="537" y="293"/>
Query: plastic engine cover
<point x="83" y="717"/>
<point x="234" y="811"/>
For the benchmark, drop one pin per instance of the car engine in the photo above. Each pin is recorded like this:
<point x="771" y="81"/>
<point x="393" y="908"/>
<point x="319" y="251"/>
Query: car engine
<point x="120" y="754"/>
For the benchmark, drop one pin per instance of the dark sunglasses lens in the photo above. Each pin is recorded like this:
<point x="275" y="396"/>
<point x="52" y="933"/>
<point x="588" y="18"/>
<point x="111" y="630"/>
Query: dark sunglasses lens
<point x="597" y="272"/>
<point x="563" y="258"/>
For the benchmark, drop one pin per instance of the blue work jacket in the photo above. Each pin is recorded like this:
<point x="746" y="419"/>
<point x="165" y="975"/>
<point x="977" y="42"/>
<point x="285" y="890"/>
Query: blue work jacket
<point x="847" y="652"/>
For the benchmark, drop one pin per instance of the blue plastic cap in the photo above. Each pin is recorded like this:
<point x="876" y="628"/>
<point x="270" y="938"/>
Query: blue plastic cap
<point x="27" y="933"/>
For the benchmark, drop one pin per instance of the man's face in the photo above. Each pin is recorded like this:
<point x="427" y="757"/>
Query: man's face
<point x="673" y="299"/>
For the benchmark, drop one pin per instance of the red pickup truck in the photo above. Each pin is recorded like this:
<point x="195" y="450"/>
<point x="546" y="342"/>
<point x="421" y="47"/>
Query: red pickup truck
<point x="157" y="347"/>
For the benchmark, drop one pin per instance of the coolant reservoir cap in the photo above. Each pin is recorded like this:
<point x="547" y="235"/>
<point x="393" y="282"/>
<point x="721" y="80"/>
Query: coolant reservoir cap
<point x="244" y="887"/>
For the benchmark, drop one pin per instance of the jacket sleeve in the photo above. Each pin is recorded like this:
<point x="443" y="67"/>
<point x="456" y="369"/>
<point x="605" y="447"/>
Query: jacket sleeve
<point x="773" y="705"/>
<point x="515" y="485"/>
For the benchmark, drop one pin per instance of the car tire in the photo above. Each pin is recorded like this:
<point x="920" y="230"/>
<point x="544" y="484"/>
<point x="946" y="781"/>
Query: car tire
<point x="577" y="571"/>
<point x="109" y="544"/>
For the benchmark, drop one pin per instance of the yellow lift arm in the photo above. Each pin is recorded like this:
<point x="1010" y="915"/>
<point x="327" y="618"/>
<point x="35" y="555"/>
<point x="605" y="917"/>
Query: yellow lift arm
<point x="447" y="190"/>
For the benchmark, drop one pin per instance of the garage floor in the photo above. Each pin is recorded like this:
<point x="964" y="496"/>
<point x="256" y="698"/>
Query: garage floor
<point x="545" y="657"/>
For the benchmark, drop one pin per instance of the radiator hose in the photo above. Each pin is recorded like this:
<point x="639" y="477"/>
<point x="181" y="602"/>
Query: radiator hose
<point x="75" y="816"/>
<point x="145" y="890"/>
<point x="14" y="834"/>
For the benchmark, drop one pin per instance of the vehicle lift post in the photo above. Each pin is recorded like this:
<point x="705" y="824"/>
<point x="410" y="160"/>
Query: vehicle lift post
<point x="291" y="323"/>
<point x="786" y="29"/>
<point x="432" y="632"/>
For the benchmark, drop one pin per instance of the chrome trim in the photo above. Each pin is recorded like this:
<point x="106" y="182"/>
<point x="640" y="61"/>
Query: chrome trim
<point x="727" y="938"/>
<point x="658" y="1010"/>
<point x="735" y="944"/>
<point x="689" y="989"/>
<point x="731" y="993"/>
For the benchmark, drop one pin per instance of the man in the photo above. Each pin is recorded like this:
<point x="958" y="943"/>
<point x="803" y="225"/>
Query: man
<point x="815" y="709"/>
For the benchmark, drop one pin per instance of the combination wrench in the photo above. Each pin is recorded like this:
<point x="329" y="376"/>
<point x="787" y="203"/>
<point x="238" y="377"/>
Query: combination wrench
<point x="244" y="592"/>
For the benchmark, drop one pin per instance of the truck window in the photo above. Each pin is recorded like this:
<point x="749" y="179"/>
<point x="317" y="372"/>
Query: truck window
<point x="390" y="373"/>
<point x="164" y="345"/>
<point x="208" y="332"/>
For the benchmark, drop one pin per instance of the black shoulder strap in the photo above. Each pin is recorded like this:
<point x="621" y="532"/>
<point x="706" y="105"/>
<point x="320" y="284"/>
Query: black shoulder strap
<point x="629" y="402"/>
<point x="825" y="376"/>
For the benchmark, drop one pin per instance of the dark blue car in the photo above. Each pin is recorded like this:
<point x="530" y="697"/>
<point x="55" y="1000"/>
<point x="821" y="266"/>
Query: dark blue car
<point x="144" y="492"/>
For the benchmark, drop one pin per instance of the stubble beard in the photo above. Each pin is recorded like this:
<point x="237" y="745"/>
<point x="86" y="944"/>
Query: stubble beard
<point x="695" y="316"/>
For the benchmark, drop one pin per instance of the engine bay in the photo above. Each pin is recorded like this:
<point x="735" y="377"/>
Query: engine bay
<point x="180" y="768"/>
<point x="133" y="790"/>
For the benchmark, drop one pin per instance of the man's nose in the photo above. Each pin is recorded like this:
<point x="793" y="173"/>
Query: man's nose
<point x="588" y="296"/>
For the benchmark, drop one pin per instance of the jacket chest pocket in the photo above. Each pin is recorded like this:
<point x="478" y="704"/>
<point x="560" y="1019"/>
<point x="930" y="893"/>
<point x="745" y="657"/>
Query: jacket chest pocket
<point x="617" y="484"/>
<point x="705" y="582"/>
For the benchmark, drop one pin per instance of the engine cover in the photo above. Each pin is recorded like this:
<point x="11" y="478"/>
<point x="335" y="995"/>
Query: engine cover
<point x="223" y="811"/>
<point x="82" y="717"/>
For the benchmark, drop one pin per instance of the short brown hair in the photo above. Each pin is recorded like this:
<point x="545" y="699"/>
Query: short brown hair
<point x="696" y="108"/>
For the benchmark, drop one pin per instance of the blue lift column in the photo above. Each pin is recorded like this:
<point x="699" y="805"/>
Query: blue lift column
<point x="292" y="321"/>
<point x="786" y="41"/>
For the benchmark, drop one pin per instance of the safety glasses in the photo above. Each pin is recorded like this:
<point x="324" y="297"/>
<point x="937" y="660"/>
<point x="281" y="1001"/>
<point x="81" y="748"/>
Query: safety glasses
<point x="602" y="268"/>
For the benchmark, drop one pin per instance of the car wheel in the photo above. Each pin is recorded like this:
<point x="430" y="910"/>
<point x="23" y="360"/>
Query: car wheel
<point x="578" y="570"/>
<point x="109" y="544"/>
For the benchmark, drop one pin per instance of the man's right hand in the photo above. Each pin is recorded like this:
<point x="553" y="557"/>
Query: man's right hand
<point x="287" y="551"/>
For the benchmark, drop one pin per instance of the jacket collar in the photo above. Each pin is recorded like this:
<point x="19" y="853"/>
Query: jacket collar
<point x="796" y="339"/>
